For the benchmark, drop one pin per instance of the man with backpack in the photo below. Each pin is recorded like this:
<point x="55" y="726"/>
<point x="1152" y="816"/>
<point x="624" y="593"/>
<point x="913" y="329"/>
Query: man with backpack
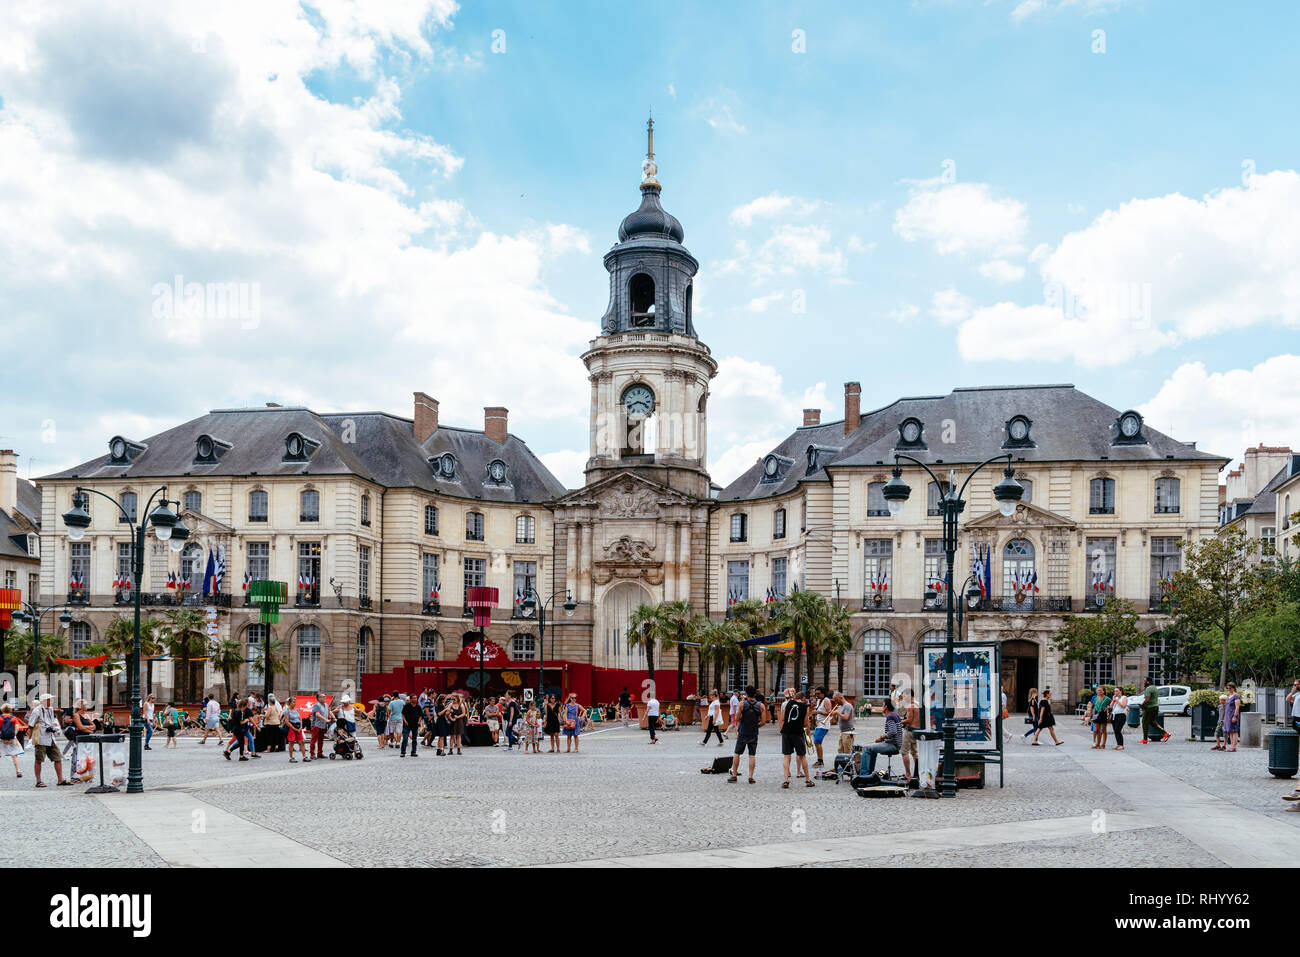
<point x="794" y="720"/>
<point x="751" y="715"/>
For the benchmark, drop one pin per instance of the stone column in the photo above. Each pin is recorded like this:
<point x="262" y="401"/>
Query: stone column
<point x="571" y="559"/>
<point x="670" y="562"/>
<point x="684" y="564"/>
<point x="584" y="562"/>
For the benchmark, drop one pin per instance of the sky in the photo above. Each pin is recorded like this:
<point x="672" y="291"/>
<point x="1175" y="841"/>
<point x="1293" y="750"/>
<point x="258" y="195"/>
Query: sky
<point x="335" y="204"/>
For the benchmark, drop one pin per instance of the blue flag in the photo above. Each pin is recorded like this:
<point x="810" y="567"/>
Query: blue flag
<point x="209" y="575"/>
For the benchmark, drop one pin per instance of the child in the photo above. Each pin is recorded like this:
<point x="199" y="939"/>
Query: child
<point x="171" y="721"/>
<point x="533" y="730"/>
<point x="1220" y="738"/>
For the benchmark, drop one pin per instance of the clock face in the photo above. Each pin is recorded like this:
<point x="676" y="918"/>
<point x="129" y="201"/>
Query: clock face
<point x="447" y="464"/>
<point x="770" y="465"/>
<point x="639" y="400"/>
<point x="1019" y="429"/>
<point x="1129" y="425"/>
<point x="911" y="431"/>
<point x="119" y="449"/>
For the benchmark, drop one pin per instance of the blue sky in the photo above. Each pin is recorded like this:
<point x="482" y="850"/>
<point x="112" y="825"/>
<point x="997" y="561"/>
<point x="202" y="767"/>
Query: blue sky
<point x="418" y="211"/>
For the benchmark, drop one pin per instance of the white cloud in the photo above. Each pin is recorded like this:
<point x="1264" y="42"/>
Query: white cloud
<point x="999" y="270"/>
<point x="1225" y="412"/>
<point x="718" y="112"/>
<point x="905" y="313"/>
<point x="184" y="141"/>
<point x="750" y="411"/>
<point x="950" y="307"/>
<point x="672" y="90"/>
<point x="1157" y="272"/>
<point x="1027" y="8"/>
<point x="962" y="218"/>
<point x="769" y="206"/>
<point x="761" y="303"/>
<point x="789" y="251"/>
<point x="566" y="465"/>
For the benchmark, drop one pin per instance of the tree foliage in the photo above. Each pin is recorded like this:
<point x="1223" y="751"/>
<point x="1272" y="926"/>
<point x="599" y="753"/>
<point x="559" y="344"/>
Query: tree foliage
<point x="1109" y="633"/>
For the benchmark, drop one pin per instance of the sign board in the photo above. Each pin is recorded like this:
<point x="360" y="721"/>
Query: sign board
<point x="494" y="656"/>
<point x="976" y="692"/>
<point x="528" y="694"/>
<point x="210" y="613"/>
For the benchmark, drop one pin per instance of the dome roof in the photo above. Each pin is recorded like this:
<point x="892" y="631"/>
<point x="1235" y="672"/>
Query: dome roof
<point x="651" y="219"/>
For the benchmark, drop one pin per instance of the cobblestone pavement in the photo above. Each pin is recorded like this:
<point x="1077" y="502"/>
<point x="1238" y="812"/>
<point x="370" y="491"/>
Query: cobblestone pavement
<point x="619" y="797"/>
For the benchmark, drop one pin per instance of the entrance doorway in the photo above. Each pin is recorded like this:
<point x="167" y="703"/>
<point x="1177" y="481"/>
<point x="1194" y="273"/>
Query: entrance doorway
<point x="1019" y="672"/>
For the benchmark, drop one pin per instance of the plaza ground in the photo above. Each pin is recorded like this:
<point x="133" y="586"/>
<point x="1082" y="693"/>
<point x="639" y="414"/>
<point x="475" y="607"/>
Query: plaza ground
<point x="624" y="802"/>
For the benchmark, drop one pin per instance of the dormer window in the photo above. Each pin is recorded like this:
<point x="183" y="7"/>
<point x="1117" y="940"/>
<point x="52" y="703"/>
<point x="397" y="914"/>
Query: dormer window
<point x="1018" y="433"/>
<point x="1128" y="429"/>
<point x="208" y="449"/>
<point x="818" y="456"/>
<point x="299" y="448"/>
<point x="443" y="466"/>
<point x="123" y="451"/>
<point x="774" y="469"/>
<point x="910" y="433"/>
<point x="498" y="473"/>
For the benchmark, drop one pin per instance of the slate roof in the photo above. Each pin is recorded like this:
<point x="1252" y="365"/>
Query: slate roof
<point x="1265" y="503"/>
<point x="1066" y="425"/>
<point x="382" y="450"/>
<point x="27" y="517"/>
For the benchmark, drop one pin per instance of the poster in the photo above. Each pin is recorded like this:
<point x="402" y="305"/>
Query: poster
<point x="977" y="693"/>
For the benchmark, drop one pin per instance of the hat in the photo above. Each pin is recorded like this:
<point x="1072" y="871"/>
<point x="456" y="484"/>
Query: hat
<point x="47" y="697"/>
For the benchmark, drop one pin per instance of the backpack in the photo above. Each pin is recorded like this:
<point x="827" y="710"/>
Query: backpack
<point x="7" y="728"/>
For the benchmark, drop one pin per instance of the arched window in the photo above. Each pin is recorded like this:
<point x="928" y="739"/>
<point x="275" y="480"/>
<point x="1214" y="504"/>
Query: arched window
<point x="935" y="636"/>
<point x="309" y="506"/>
<point x="641" y="293"/>
<point x="1018" y="574"/>
<point x="523" y="647"/>
<point x="430" y="520"/>
<point x="877" y="662"/>
<point x="308" y="659"/>
<point x="257" y="506"/>
<point x="255" y="654"/>
<point x="690" y="296"/>
<point x="1101" y="496"/>
<point x="363" y="654"/>
<point x="1167" y="496"/>
<point x="429" y="645"/>
<point x="78" y="638"/>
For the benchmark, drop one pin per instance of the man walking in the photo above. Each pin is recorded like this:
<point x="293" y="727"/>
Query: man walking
<point x="822" y="713"/>
<point x="751" y="716"/>
<point x="44" y="722"/>
<point x="911" y="722"/>
<point x="1151" y="712"/>
<point x="794" y="718"/>
<point x="510" y="717"/>
<point x="211" y="718"/>
<point x="411" y="715"/>
<point x="624" y="705"/>
<point x="320" y="720"/>
<point x="652" y="715"/>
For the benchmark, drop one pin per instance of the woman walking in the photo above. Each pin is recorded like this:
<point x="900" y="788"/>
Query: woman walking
<point x="379" y="722"/>
<point x="714" y="716"/>
<point x="11" y="737"/>
<point x="551" y="724"/>
<point x="1031" y="715"/>
<point x="459" y="715"/>
<point x="240" y="718"/>
<point x="1118" y="715"/>
<point x="293" y="731"/>
<point x="1100" y="718"/>
<point x="148" y="721"/>
<point x="442" y="727"/>
<point x="1046" y="720"/>
<point x="572" y="722"/>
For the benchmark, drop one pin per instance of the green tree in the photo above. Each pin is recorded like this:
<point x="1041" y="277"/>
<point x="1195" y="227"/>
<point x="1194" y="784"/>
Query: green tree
<point x="720" y="644"/>
<point x="119" y="637"/>
<point x="801" y="616"/>
<point x="227" y="657"/>
<point x="648" y="627"/>
<point x="183" y="634"/>
<point x="838" y="641"/>
<point x="1109" y="633"/>
<point x="684" y="626"/>
<point x="752" y="615"/>
<point x="1264" y="647"/>
<point x="1221" y="585"/>
<point x="18" y="648"/>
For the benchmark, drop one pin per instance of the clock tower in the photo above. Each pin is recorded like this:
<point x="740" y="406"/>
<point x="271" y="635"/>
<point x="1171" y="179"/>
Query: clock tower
<point x="649" y="372"/>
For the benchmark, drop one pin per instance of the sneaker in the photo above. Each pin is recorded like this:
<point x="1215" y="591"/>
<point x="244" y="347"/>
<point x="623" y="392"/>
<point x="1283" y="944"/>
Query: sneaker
<point x="1144" y="741"/>
<point x="818" y="764"/>
<point x="243" y="758"/>
<point x="1166" y="737"/>
<point x="731" y="779"/>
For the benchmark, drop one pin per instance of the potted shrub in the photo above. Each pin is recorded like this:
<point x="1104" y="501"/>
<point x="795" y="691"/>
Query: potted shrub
<point x="1204" y="703"/>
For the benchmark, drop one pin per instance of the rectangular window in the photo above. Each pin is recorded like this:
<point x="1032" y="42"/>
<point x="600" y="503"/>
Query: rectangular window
<point x="877" y="507"/>
<point x="1028" y="486"/>
<point x="936" y="562"/>
<point x="124" y="569"/>
<point x="475" y="573"/>
<point x="79" y="565"/>
<point x="365" y="510"/>
<point x="257" y="506"/>
<point x="1098" y="671"/>
<point x="739" y="527"/>
<point x="1102" y="571"/>
<point x="308" y="658"/>
<point x="11" y="578"/>
<point x="523" y="648"/>
<point x="737" y="581"/>
<point x="525" y="581"/>
<point x="128" y="503"/>
<point x="1167" y="496"/>
<point x="259" y="560"/>
<point x="525" y="530"/>
<point x="877" y="663"/>
<point x="79" y="637"/>
<point x="430" y="520"/>
<point x="1165" y="560"/>
<point x="778" y="524"/>
<point x="429" y="577"/>
<point x="877" y="571"/>
<point x="363" y="571"/>
<point x="193" y="501"/>
<point x="779" y="571"/>
<point x="474" y="526"/>
<point x="1268" y="543"/>
<point x="309" y="573"/>
<point x="934" y="492"/>
<point x="1101" y="496"/>
<point x="254" y="653"/>
<point x="310" y="506"/>
<point x="33" y="588"/>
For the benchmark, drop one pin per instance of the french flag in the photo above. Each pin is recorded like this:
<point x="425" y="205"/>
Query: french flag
<point x="884" y="582"/>
<point x="1110" y="581"/>
<point x="1033" y="582"/>
<point x="248" y="580"/>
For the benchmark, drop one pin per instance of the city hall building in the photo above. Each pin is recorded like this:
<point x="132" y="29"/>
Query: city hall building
<point x="381" y="522"/>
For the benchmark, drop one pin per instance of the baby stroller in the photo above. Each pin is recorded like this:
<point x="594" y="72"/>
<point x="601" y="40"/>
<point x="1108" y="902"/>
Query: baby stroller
<point x="345" y="744"/>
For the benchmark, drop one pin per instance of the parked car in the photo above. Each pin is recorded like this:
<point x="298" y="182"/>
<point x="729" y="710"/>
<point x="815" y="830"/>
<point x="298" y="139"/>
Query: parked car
<point x="1173" y="699"/>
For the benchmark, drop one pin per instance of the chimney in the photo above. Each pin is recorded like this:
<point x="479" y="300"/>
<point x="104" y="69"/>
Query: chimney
<point x="852" y="406"/>
<point x="426" y="417"/>
<point x="494" y="423"/>
<point x="812" y="416"/>
<point x="8" y="480"/>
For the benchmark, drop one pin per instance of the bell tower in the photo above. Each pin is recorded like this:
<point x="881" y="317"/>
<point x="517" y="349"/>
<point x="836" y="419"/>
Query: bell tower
<point x="649" y="372"/>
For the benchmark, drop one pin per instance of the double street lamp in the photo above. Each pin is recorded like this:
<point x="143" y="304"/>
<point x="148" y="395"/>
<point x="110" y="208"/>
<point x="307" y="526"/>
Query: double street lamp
<point x="168" y="528"/>
<point x="533" y="601"/>
<point x="1007" y="494"/>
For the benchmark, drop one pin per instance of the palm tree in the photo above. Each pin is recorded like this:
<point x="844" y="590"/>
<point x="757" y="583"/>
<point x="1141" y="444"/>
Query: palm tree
<point x="183" y="634"/>
<point x="779" y="658"/>
<point x="840" y="632"/>
<point x="648" y="627"/>
<point x="226" y="657"/>
<point x="752" y="614"/>
<point x="801" y="615"/>
<point x="119" y="637"/>
<point x="684" y="627"/>
<point x="18" y="647"/>
<point x="720" y="643"/>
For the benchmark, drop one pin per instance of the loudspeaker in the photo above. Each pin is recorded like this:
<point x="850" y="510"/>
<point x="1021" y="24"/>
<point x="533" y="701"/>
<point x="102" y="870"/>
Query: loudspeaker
<point x="720" y="766"/>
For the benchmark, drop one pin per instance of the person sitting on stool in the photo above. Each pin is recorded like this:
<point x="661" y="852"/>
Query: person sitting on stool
<point x="887" y="743"/>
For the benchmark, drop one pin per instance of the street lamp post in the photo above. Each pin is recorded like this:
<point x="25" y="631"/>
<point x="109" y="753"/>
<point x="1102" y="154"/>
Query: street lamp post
<point x="168" y="528"/>
<point x="1007" y="493"/>
<point x="533" y="601"/>
<point x="34" y="613"/>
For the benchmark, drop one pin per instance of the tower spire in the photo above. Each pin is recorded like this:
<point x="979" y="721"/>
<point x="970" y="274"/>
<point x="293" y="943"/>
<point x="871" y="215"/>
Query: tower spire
<point x="649" y="169"/>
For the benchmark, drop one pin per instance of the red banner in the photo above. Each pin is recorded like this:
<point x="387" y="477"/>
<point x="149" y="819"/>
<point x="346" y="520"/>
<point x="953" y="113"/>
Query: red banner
<point x="11" y="600"/>
<point x="82" y="662"/>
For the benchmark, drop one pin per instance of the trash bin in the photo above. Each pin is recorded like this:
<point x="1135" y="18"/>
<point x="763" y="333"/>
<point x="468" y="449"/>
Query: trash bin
<point x="929" y="746"/>
<point x="1205" y="718"/>
<point x="1134" y="714"/>
<point x="1283" y="752"/>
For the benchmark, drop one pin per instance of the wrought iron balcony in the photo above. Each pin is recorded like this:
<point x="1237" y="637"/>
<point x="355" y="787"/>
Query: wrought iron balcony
<point x="878" y="603"/>
<point x="364" y="602"/>
<point x="308" y="598"/>
<point x="1023" y="603"/>
<point x="432" y="608"/>
<point x="79" y="596"/>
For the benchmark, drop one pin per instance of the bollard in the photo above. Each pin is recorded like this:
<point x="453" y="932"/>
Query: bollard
<point x="1252" y="728"/>
<point x="1283" y="752"/>
<point x="1134" y="714"/>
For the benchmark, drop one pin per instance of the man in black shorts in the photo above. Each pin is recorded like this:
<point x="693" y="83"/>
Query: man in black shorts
<point x="752" y="716"/>
<point x="624" y="705"/>
<point x="794" y="722"/>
